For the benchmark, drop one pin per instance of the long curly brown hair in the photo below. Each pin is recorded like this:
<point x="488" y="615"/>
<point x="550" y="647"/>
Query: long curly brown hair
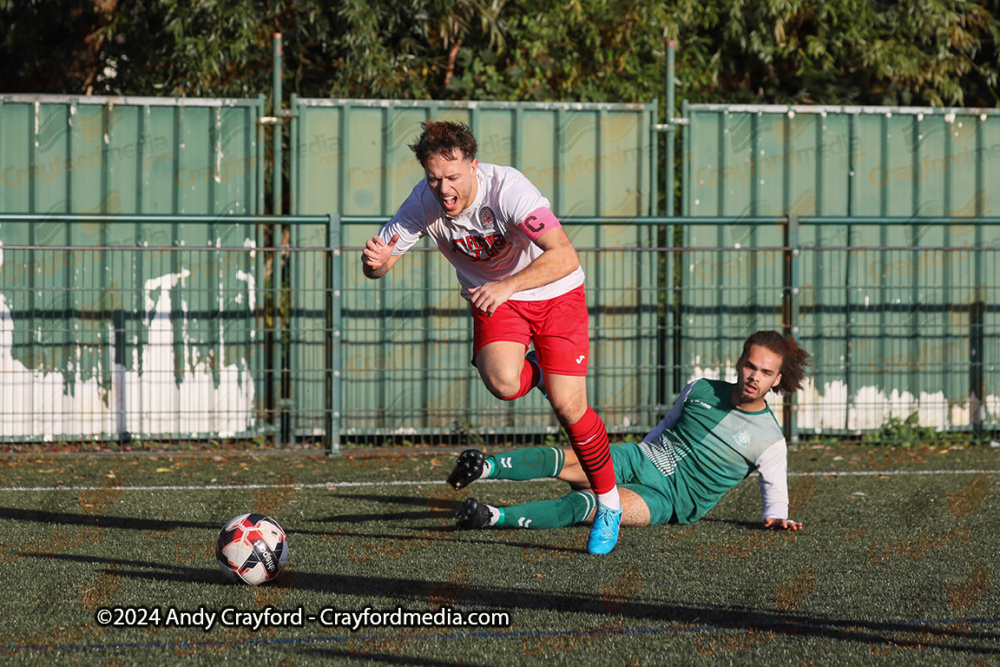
<point x="444" y="138"/>
<point x="793" y="358"/>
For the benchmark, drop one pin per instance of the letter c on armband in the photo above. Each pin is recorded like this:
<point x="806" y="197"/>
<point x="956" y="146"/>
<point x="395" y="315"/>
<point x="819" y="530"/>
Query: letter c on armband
<point x="538" y="222"/>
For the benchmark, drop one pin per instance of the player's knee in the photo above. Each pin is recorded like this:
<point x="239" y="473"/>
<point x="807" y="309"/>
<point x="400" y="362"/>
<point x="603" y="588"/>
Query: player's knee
<point x="504" y="388"/>
<point x="568" y="401"/>
<point x="568" y="410"/>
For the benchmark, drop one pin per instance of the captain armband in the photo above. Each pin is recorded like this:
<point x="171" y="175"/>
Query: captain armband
<point x="538" y="222"/>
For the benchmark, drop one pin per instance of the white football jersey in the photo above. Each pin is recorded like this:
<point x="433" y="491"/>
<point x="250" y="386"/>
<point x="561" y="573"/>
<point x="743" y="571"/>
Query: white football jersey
<point x="484" y="242"/>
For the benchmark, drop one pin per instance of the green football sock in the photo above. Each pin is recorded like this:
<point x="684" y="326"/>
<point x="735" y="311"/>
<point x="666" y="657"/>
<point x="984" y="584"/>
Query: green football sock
<point x="529" y="463"/>
<point x="557" y="513"/>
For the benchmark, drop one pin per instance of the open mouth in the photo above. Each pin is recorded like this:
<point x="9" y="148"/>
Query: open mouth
<point x="449" y="202"/>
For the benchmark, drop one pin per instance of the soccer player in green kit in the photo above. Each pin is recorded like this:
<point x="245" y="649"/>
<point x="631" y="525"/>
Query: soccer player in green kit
<point x="714" y="436"/>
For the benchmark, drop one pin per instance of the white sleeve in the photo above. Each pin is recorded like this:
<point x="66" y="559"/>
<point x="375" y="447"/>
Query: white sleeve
<point x="672" y="415"/>
<point x="773" y="468"/>
<point x="519" y="197"/>
<point x="410" y="222"/>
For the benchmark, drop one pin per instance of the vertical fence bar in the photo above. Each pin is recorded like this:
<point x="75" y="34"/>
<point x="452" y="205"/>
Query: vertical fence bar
<point x="278" y="273"/>
<point x="669" y="113"/>
<point x="666" y="235"/>
<point x="334" y="394"/>
<point x="261" y="309"/>
<point x="791" y="313"/>
<point x="276" y="111"/>
<point x="915" y="307"/>
<point x="977" y="313"/>
<point x="596" y="377"/>
<point x="883" y="290"/>
<point x="293" y="155"/>
<point x="258" y="156"/>
<point x="852" y="209"/>
<point x="678" y="304"/>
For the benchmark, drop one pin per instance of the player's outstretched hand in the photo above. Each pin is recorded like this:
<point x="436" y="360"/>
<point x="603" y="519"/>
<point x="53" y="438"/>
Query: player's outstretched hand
<point x="784" y="524"/>
<point x="377" y="252"/>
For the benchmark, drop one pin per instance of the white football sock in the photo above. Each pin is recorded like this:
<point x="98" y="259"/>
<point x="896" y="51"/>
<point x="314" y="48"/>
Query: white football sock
<point x="611" y="499"/>
<point x="494" y="515"/>
<point x="487" y="469"/>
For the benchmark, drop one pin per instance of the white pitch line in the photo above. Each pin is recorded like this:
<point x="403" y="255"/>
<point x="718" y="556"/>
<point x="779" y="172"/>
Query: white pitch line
<point x="225" y="487"/>
<point x="333" y="485"/>
<point x="873" y="473"/>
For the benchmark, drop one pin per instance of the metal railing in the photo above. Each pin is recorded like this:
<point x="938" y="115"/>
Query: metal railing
<point x="114" y="332"/>
<point x="113" y="336"/>
<point x="904" y="335"/>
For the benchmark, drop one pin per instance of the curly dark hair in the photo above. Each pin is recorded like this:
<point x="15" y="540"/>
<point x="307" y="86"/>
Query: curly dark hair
<point x="444" y="138"/>
<point x="793" y="358"/>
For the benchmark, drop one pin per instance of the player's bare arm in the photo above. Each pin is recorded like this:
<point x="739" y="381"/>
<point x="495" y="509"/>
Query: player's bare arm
<point x="558" y="260"/>
<point x="377" y="257"/>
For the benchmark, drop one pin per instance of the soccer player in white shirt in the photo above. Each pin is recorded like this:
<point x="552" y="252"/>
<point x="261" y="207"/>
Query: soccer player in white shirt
<point x="523" y="280"/>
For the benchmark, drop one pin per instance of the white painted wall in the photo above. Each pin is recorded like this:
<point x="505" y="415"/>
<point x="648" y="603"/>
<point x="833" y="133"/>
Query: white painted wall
<point x="36" y="403"/>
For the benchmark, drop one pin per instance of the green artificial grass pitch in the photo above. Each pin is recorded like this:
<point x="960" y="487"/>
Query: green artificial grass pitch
<point x="112" y="560"/>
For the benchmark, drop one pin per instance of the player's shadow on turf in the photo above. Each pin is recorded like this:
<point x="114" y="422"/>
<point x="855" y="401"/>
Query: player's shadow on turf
<point x="365" y="518"/>
<point x="390" y="591"/>
<point x="465" y="538"/>
<point x="105" y="521"/>
<point x="179" y="573"/>
<point x="434" y="508"/>
<point x="389" y="500"/>
<point x="413" y="593"/>
<point x="376" y="656"/>
<point x="750" y="525"/>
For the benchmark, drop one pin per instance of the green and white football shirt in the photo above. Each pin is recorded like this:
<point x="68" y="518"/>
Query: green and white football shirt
<point x="705" y="447"/>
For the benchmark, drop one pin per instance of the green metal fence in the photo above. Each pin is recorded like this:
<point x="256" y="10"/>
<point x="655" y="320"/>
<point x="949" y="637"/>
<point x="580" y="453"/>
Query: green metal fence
<point x="908" y="362"/>
<point x="128" y="251"/>
<point x="352" y="157"/>
<point x="146" y="343"/>
<point x="223" y="344"/>
<point x="407" y="348"/>
<point x="896" y="354"/>
<point x="897" y="248"/>
<point x="114" y="155"/>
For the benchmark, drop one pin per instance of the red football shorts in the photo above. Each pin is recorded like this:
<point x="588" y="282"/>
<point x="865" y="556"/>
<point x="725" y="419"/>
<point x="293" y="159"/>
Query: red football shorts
<point x="558" y="327"/>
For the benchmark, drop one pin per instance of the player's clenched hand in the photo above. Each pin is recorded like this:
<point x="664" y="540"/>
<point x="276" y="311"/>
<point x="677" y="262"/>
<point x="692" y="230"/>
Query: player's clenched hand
<point x="785" y="524"/>
<point x="489" y="297"/>
<point x="377" y="252"/>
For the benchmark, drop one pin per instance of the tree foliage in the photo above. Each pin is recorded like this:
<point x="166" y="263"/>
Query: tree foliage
<point x="921" y="52"/>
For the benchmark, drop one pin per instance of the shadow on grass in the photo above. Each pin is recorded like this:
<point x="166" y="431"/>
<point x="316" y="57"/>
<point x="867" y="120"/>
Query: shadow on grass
<point x="749" y="525"/>
<point x="433" y="508"/>
<point x="104" y="520"/>
<point x="388" y="593"/>
<point x="333" y="656"/>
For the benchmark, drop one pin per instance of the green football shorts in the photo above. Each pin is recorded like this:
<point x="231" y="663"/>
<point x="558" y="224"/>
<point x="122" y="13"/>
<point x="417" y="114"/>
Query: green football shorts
<point x="633" y="471"/>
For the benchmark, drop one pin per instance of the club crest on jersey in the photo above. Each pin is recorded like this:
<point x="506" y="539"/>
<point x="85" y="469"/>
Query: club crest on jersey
<point x="487" y="217"/>
<point x="743" y="437"/>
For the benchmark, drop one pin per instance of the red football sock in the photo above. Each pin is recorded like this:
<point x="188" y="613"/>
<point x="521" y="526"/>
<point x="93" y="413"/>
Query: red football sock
<point x="589" y="438"/>
<point x="529" y="378"/>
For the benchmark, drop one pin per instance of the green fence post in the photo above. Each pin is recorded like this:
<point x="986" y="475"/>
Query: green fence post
<point x="276" y="111"/>
<point x="293" y="155"/>
<point x="980" y="305"/>
<point x="670" y="333"/>
<point x="792" y="292"/>
<point x="334" y="303"/>
<point x="669" y="113"/>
